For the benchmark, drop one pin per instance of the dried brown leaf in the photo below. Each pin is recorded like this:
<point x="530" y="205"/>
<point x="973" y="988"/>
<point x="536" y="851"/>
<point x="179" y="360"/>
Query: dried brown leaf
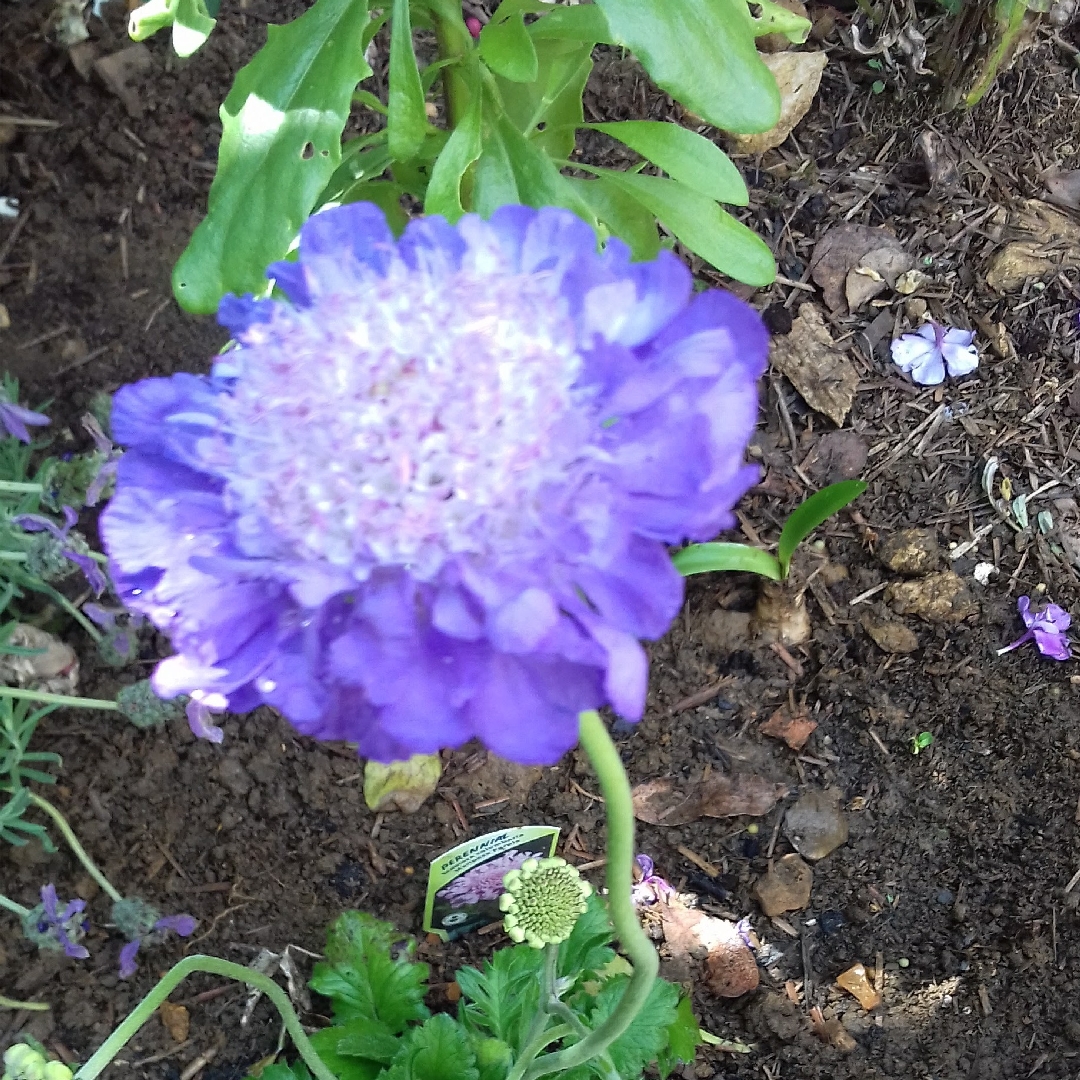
<point x="660" y="802"/>
<point x="840" y="251"/>
<point x="792" y="729"/>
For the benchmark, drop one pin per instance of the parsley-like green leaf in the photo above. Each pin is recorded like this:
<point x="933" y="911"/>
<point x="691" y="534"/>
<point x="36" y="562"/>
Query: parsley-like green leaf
<point x="683" y="1039"/>
<point x="344" y="1068"/>
<point x="362" y="978"/>
<point x="498" y="999"/>
<point x="439" y="1050"/>
<point x="587" y="947"/>
<point x="641" y="1043"/>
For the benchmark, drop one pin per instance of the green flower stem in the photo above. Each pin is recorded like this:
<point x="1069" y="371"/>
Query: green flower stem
<point x="215" y="966"/>
<point x="73" y="843"/>
<point x="18" y="487"/>
<point x="59" y="699"/>
<point x="13" y="556"/>
<point x="29" y="1006"/>
<point x="454" y="42"/>
<point x="15" y="909"/>
<point x="540" y="1018"/>
<point x="539" y="1043"/>
<point x="618" y="803"/>
<point x="73" y="611"/>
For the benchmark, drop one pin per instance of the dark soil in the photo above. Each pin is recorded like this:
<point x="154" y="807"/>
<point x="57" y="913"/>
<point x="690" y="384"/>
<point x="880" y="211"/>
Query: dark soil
<point x="954" y="879"/>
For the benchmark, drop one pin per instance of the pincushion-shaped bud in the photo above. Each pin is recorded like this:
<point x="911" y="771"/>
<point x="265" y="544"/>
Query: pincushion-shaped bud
<point x="24" y="1062"/>
<point x="542" y="901"/>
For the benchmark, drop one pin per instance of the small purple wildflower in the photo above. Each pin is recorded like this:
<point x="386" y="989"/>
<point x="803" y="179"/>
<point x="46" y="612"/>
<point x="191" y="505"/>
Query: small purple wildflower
<point x="14" y="418"/>
<point x="72" y="547"/>
<point x="49" y="927"/>
<point x="483" y="882"/>
<point x="111" y="454"/>
<point x="1046" y="628"/>
<point x="142" y="924"/>
<point x="430" y="498"/>
<point x="933" y="349"/>
<point x="118" y="638"/>
<point x="650" y="888"/>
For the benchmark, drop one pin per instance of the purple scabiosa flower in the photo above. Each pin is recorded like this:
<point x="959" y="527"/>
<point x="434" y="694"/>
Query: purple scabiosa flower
<point x="430" y="499"/>
<point x="57" y="545"/>
<point x="483" y="882"/>
<point x="933" y="349"/>
<point x="650" y="888"/>
<point x="49" y="926"/>
<point x="1046" y="628"/>
<point x="142" y="924"/>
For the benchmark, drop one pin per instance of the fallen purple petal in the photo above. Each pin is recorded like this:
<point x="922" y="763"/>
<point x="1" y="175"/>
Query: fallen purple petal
<point x="933" y="350"/>
<point x="1045" y="627"/>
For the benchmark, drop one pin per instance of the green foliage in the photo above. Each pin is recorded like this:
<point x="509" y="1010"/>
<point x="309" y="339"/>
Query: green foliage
<point x="281" y="143"/>
<point x="513" y="107"/>
<point x="804" y="519"/>
<point x="382" y="1030"/>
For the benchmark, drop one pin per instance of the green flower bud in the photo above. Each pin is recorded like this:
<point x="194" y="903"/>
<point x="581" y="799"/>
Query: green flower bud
<point x="543" y="900"/>
<point x="23" y="1062"/>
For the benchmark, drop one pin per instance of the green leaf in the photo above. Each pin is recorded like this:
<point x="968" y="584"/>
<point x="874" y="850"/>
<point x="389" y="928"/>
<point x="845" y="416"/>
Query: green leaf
<point x="684" y="155"/>
<point x="190" y="21"/>
<point x="280" y="144"/>
<point x="280" y="1070"/>
<point x="462" y="148"/>
<point x="499" y="999"/>
<point x="699" y="223"/>
<point x="386" y="195"/>
<point x="683" y="1038"/>
<point x="641" y="1043"/>
<point x="583" y="22"/>
<point x="512" y="169"/>
<point x="710" y="558"/>
<point x="406" y="121"/>
<point x="806" y="518"/>
<point x="621" y="214"/>
<point x="777" y="19"/>
<point x="367" y="1039"/>
<point x="588" y="948"/>
<point x="343" y="1066"/>
<point x="439" y="1050"/>
<point x="362" y="978"/>
<point x="702" y="53"/>
<point x="507" y="48"/>
<point x="553" y="101"/>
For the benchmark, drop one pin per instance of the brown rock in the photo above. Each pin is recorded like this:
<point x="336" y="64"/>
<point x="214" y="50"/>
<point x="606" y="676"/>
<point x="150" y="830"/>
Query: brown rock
<point x="911" y="551"/>
<point x="937" y="598"/>
<point x="820" y="371"/>
<point x="798" y="76"/>
<point x="893" y="637"/>
<point x="1052" y="241"/>
<point x="175" y="1020"/>
<point x="786" y="886"/>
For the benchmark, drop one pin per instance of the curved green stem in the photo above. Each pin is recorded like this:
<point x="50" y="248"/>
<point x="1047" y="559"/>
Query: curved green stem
<point x="73" y="843"/>
<point x="149" y="1004"/>
<point x="59" y="699"/>
<point x="29" y="1006"/>
<point x="615" y="787"/>
<point x="14" y="908"/>
<point x="19" y="487"/>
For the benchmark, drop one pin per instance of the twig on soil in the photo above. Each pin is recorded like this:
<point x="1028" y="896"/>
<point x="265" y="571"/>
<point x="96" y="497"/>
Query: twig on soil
<point x="793" y="664"/>
<point x="42" y="338"/>
<point x="9" y="243"/>
<point x="700" y="697"/>
<point x="869" y="592"/>
<point x="199" y="1064"/>
<point x="881" y="746"/>
<point x="698" y="861"/>
<point x="164" y="1055"/>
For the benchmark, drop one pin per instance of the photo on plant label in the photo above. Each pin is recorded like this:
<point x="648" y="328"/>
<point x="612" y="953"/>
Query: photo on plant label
<point x="466" y="882"/>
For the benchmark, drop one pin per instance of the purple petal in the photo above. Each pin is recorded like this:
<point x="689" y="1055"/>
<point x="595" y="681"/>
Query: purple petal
<point x="238" y="313"/>
<point x="93" y="573"/>
<point x="37" y="523"/>
<point x="15" y="418"/>
<point x="96" y="486"/>
<point x="184" y="925"/>
<point x="199" y="717"/>
<point x="128" y="967"/>
<point x="1023" y="605"/>
<point x="1052" y="644"/>
<point x="49" y="901"/>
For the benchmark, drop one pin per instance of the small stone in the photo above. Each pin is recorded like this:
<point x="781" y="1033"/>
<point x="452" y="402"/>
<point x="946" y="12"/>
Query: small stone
<point x="798" y="76"/>
<point x="816" y="825"/>
<point x="234" y="776"/>
<point x="785" y="886"/>
<point x="889" y="635"/>
<point x="937" y="598"/>
<point x="175" y="1020"/>
<point x="5" y="318"/>
<point x="904" y="962"/>
<point x="944" y="897"/>
<point x="911" y="551"/>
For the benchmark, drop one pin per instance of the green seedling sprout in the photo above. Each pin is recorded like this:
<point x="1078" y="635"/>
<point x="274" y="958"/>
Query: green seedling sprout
<point x="921" y="741"/>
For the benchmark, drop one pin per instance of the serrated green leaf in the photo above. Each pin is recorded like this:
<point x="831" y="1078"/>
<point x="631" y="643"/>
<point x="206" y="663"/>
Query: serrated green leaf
<point x="684" y="155"/>
<point x="703" y="55"/>
<point x="406" y="120"/>
<point x="806" y="517"/>
<point x="440" y="1050"/>
<point x="588" y="948"/>
<point x="281" y="142"/>
<point x="280" y="1070"/>
<point x="343" y="1066"/>
<point x="498" y="1000"/>
<point x="364" y="981"/>
<point x="548" y="110"/>
<point x="699" y="223"/>
<point x="641" y="1043"/>
<point x="621" y="214"/>
<point x="719" y="557"/>
<point x="367" y="1039"/>
<point x="507" y="48"/>
<point x="493" y="1058"/>
<point x="683" y="1038"/>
